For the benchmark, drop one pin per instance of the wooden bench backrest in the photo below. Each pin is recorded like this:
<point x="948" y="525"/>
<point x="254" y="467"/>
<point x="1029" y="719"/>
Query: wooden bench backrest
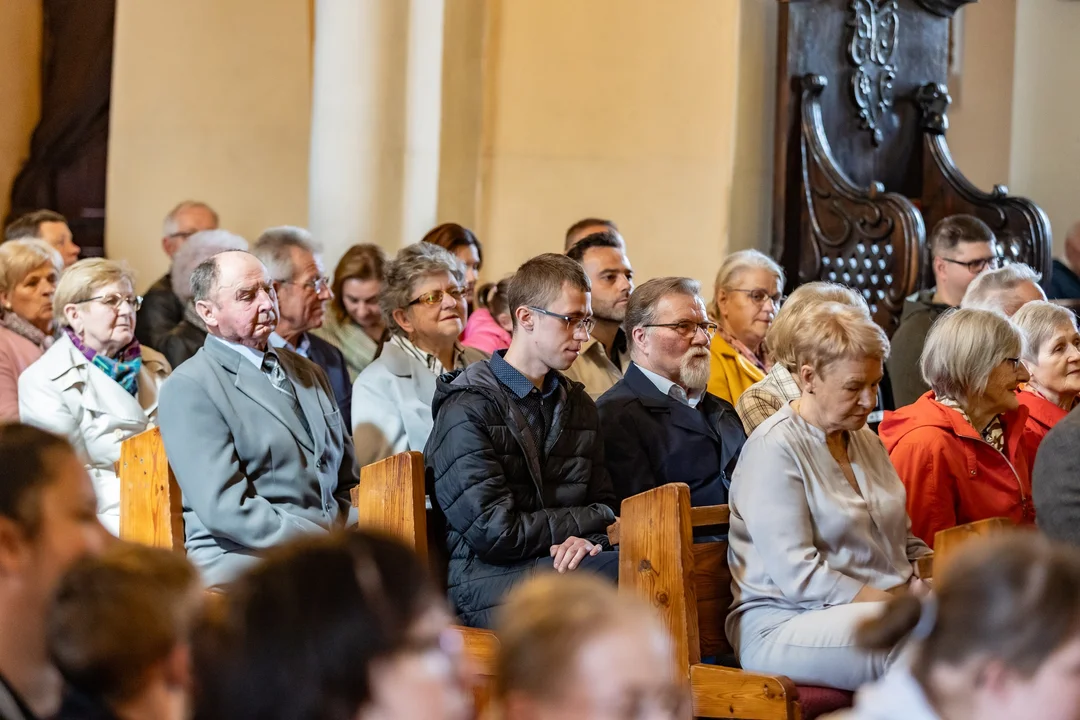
<point x="150" y="509"/>
<point x="947" y="542"/>
<point x="390" y="498"/>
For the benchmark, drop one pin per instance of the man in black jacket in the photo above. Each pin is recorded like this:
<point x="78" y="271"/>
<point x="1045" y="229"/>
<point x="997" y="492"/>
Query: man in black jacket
<point x="660" y="425"/>
<point x="516" y="457"/>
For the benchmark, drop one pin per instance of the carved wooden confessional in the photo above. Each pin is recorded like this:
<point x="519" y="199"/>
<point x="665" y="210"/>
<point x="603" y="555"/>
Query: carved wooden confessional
<point x="863" y="169"/>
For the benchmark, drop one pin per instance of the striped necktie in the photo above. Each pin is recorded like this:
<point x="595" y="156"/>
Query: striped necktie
<point x="271" y="365"/>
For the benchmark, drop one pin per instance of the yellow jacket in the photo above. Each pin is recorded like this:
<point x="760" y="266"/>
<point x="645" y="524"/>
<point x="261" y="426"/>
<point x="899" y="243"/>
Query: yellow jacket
<point x="730" y="374"/>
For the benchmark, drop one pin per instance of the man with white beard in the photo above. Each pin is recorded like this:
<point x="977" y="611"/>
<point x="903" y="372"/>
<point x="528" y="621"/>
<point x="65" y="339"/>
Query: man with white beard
<point x="659" y="423"/>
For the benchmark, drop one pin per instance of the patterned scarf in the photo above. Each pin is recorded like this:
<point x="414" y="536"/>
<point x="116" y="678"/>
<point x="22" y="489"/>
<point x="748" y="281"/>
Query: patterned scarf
<point x="994" y="433"/>
<point x="760" y="360"/>
<point x="23" y="329"/>
<point x="124" y="369"/>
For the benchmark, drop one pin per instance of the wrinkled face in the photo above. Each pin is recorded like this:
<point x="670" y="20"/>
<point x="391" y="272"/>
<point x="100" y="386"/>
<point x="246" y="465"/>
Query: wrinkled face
<point x="1057" y="368"/>
<point x="243" y="305"/>
<point x="1052" y="693"/>
<point x="954" y="276"/>
<point x="32" y="297"/>
<point x="1001" y="386"/>
<point x="469" y="255"/>
<point x="302" y="299"/>
<point x="361" y="301"/>
<point x="430" y="319"/>
<point x="845" y="391"/>
<point x="58" y="234"/>
<point x="188" y="222"/>
<point x="555" y="341"/>
<point x="426" y="680"/>
<point x="681" y="354"/>
<point x="612" y="282"/>
<point x="105" y="323"/>
<point x="748" y="307"/>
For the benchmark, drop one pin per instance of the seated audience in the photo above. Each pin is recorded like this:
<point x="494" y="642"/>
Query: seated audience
<point x="511" y="426"/>
<point x="462" y="244"/>
<point x="1000" y="639"/>
<point x="573" y="647"/>
<point x="762" y="399"/>
<point x="1004" y="290"/>
<point x="423" y="304"/>
<point x="1064" y="282"/>
<point x="747" y="295"/>
<point x="1052" y="357"/>
<point x="302" y="293"/>
<point x="252" y="432"/>
<point x="96" y="385"/>
<point x="490" y="326"/>
<point x="819" y="534"/>
<point x="48" y="520"/>
<point x="1056" y="481"/>
<point x="603" y="358"/>
<point x="960" y="247"/>
<point x="959" y="447"/>
<point x="162" y="309"/>
<point x="184" y="340"/>
<point x="659" y="423"/>
<point x="29" y="271"/>
<point x="355" y="322"/>
<point x="347" y="627"/>
<point x="587" y="226"/>
<point x="49" y="226"/>
<point x="119" y="631"/>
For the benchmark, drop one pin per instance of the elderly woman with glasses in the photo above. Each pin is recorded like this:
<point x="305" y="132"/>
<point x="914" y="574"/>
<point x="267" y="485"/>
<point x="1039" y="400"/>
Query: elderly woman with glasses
<point x="746" y="298"/>
<point x="1052" y="357"/>
<point x="959" y="448"/>
<point x="423" y="304"/>
<point x="29" y="271"/>
<point x="96" y="385"/>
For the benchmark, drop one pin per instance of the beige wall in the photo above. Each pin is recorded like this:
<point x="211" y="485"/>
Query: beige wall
<point x="620" y="108"/>
<point x="1045" y="161"/>
<point x="211" y="100"/>
<point x="20" y="88"/>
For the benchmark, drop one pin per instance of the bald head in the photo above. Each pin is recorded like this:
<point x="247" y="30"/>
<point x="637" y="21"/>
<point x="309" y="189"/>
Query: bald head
<point x="235" y="297"/>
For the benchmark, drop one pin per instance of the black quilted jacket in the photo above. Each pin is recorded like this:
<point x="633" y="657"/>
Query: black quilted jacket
<point x="505" y="503"/>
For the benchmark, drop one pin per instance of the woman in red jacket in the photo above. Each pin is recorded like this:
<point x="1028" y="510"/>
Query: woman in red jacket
<point x="958" y="448"/>
<point x="1052" y="358"/>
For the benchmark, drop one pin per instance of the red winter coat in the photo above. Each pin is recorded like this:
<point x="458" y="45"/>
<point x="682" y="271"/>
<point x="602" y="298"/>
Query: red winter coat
<point x="951" y="474"/>
<point x="1042" y="415"/>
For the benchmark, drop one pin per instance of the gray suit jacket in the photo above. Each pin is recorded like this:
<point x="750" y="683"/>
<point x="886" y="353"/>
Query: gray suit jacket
<point x="250" y="476"/>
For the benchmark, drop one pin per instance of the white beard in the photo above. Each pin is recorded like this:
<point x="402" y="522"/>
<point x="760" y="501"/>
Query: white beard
<point x="694" y="370"/>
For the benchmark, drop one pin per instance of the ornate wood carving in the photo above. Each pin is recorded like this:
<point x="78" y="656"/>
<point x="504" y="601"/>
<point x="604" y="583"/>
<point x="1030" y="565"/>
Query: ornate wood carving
<point x="1021" y="227"/>
<point x="943" y="8"/>
<point x="875" y="29"/>
<point x="865" y="238"/>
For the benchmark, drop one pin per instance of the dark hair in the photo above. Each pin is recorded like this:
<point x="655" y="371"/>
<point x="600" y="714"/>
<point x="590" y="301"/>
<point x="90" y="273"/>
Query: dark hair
<point x="451" y="236"/>
<point x="494" y="298"/>
<point x="26" y="454"/>
<point x="115" y="615"/>
<point x="360" y="262"/>
<point x="29" y="225"/>
<point x="299" y="633"/>
<point x="604" y="238"/>
<point x="585" y="223"/>
<point x="1014" y="598"/>
<point x="955" y="229"/>
<point x="539" y="281"/>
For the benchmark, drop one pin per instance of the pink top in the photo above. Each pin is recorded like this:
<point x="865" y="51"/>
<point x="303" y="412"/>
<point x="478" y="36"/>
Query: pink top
<point x="484" y="333"/>
<point x="16" y="354"/>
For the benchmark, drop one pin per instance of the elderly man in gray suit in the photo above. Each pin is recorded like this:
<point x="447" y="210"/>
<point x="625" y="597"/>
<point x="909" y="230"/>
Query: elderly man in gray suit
<point x="252" y="432"/>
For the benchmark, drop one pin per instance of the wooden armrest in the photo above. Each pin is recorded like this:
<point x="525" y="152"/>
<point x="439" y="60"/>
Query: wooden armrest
<point x="726" y="692"/>
<point x="481" y="648"/>
<point x="699" y="517"/>
<point x="613" y="533"/>
<point x="925" y="567"/>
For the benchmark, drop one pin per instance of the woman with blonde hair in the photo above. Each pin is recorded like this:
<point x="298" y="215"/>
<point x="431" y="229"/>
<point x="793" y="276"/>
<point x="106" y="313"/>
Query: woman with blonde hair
<point x="96" y="385"/>
<point x="779" y="386"/>
<point x="820" y="538"/>
<point x="749" y="289"/>
<point x="29" y="271"/>
<point x="1051" y="355"/>
<point x="999" y="639"/>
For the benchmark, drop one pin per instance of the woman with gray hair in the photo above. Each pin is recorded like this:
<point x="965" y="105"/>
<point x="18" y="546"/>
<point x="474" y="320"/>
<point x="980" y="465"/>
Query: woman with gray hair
<point x="29" y="271"/>
<point x="1052" y="357"/>
<point x="96" y="385"/>
<point x="423" y="304"/>
<point x="959" y="448"/>
<point x="184" y="340"/>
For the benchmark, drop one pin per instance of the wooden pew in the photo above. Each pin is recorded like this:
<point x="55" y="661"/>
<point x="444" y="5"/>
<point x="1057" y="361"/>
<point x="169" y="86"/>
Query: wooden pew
<point x="150" y="508"/>
<point x="947" y="542"/>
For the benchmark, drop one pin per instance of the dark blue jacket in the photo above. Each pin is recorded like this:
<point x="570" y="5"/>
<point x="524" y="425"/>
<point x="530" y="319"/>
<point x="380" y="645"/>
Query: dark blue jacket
<point x="651" y="439"/>
<point x="330" y="359"/>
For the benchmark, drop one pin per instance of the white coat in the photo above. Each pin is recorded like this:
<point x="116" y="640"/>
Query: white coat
<point x="65" y="393"/>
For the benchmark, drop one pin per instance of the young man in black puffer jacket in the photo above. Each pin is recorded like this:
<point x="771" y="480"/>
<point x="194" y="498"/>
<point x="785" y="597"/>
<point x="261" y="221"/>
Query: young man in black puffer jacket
<point x="516" y="456"/>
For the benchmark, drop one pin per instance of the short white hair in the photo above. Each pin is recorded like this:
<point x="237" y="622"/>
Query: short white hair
<point x="170" y="227"/>
<point x="963" y="347"/>
<point x="992" y="289"/>
<point x="1037" y="323"/>
<point x="274" y="249"/>
<point x="199" y="247"/>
